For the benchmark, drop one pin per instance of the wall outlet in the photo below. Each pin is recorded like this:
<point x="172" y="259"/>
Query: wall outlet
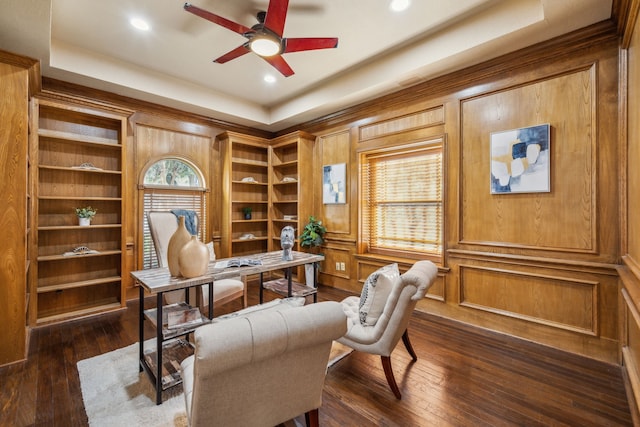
<point x="342" y="267"/>
<point x="337" y="266"/>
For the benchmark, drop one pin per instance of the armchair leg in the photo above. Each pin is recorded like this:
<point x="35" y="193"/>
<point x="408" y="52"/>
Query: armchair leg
<point x="388" y="372"/>
<point x="311" y="418"/>
<point x="408" y="346"/>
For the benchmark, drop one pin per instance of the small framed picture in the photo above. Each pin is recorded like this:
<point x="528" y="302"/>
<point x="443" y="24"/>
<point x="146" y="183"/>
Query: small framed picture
<point x="520" y="160"/>
<point x="334" y="184"/>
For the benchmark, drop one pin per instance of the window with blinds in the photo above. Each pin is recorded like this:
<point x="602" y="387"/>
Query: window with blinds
<point x="168" y="184"/>
<point x="402" y="200"/>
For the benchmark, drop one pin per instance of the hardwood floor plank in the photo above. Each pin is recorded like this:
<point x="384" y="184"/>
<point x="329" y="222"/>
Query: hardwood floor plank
<point x="28" y="389"/>
<point x="464" y="376"/>
<point x="10" y="392"/>
<point x="44" y="398"/>
<point x="77" y="412"/>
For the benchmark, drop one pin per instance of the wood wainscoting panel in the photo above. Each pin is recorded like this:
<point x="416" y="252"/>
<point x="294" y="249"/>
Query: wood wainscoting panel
<point x="425" y="118"/>
<point x="631" y="343"/>
<point x="335" y="257"/>
<point x="564" y="219"/>
<point x="559" y="302"/>
<point x="630" y="319"/>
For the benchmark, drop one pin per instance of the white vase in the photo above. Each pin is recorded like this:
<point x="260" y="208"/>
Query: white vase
<point x="193" y="258"/>
<point x="84" y="222"/>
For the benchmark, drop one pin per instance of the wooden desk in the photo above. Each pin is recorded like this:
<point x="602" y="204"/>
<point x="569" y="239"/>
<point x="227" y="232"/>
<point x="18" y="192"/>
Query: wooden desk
<point x="157" y="281"/>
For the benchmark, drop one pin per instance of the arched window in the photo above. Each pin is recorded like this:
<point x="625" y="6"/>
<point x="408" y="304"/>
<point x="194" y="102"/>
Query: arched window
<point x="171" y="183"/>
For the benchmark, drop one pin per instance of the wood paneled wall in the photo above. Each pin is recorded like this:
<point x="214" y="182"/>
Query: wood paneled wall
<point x="541" y="266"/>
<point x="16" y="83"/>
<point x="13" y="159"/>
<point x="630" y="177"/>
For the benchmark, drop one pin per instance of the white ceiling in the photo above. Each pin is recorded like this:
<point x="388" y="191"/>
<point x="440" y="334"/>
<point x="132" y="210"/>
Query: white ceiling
<point x="90" y="42"/>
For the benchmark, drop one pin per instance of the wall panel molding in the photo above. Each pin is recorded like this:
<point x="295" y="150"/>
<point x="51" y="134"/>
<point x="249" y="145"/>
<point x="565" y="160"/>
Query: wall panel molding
<point x="421" y="119"/>
<point x="564" y="219"/>
<point x="336" y="217"/>
<point x="556" y="263"/>
<point x="532" y="297"/>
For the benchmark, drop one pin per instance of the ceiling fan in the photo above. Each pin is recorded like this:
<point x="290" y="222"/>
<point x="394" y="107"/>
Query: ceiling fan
<point x="265" y="38"/>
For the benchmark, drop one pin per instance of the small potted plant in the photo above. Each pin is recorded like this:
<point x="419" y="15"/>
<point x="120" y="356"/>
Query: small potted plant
<point x="247" y="212"/>
<point x="312" y="237"/>
<point x="85" y="215"/>
<point x="312" y="234"/>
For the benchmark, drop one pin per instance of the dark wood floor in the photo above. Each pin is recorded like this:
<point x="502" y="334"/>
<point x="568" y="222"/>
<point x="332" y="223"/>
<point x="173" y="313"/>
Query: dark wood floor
<point x="463" y="377"/>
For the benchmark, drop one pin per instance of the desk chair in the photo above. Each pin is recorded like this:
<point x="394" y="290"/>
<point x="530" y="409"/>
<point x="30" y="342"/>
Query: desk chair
<point x="162" y="225"/>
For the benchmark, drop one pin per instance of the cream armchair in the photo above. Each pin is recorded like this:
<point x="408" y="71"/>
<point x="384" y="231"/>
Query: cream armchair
<point x="162" y="225"/>
<point x="396" y="296"/>
<point x="261" y="369"/>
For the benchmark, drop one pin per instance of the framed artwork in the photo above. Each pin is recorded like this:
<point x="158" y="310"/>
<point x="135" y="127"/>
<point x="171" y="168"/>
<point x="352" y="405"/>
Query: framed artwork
<point x="334" y="184"/>
<point x="520" y="160"/>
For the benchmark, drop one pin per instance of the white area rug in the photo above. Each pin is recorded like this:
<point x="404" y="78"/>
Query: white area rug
<point x="115" y="394"/>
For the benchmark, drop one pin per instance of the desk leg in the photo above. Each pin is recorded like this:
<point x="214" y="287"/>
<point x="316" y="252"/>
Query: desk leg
<point x="315" y="281"/>
<point x="210" y="300"/>
<point x="159" y="350"/>
<point x="261" y="290"/>
<point x="141" y="328"/>
<point x="289" y="279"/>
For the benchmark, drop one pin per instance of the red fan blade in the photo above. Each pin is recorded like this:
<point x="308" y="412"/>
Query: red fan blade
<point x="233" y="26"/>
<point x="299" y="44"/>
<point x="276" y="15"/>
<point x="239" y="51"/>
<point x="278" y="62"/>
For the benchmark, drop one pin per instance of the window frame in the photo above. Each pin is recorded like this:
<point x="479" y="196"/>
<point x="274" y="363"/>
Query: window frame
<point x="398" y="150"/>
<point x="146" y="254"/>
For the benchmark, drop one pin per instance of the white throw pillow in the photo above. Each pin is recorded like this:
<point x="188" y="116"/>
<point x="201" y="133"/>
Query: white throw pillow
<point x="375" y="292"/>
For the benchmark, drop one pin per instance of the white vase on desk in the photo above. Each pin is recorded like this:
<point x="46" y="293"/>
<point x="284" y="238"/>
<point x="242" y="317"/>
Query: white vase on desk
<point x="193" y="258"/>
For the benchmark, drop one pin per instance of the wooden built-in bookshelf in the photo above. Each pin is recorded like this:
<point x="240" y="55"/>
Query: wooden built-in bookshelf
<point x="245" y="179"/>
<point x="291" y="187"/>
<point x="78" y="162"/>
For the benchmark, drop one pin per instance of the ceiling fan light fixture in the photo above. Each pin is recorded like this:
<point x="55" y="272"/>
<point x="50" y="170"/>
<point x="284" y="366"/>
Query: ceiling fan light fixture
<point x="399" y="5"/>
<point x="265" y="46"/>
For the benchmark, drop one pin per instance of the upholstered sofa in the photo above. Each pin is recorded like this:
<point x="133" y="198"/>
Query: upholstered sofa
<point x="261" y="368"/>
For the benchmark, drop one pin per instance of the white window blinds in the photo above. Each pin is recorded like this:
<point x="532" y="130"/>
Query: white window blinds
<point x="402" y="201"/>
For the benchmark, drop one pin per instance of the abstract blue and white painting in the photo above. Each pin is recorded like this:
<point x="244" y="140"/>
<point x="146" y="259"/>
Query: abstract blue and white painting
<point x="520" y="160"/>
<point x="334" y="184"/>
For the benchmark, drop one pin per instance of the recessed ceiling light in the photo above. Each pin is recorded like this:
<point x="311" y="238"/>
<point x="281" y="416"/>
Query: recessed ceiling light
<point x="269" y="78"/>
<point x="399" y="5"/>
<point x="140" y="24"/>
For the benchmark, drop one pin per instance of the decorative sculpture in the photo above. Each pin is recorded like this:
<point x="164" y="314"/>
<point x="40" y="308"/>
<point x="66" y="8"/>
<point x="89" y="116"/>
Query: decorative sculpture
<point x="287" y="237"/>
